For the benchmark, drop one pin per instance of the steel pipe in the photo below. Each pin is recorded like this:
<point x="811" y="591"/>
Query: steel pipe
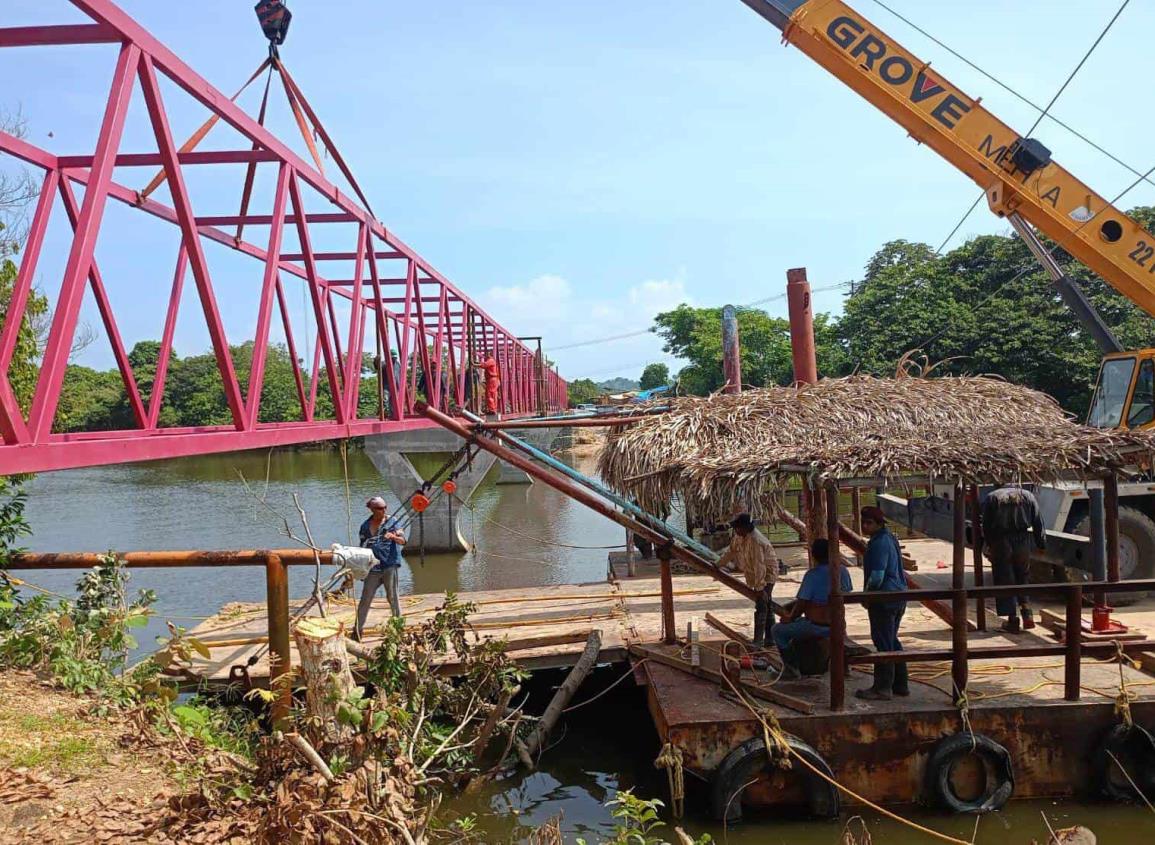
<point x="581" y="494"/>
<point x="166" y="560"/>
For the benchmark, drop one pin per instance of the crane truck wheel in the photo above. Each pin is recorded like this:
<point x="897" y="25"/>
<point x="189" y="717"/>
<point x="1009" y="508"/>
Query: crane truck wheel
<point x="1136" y="550"/>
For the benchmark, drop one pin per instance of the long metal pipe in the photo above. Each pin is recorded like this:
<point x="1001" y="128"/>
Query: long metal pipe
<point x="731" y="351"/>
<point x="603" y="491"/>
<point x="648" y="528"/>
<point x="562" y="422"/>
<point x="167" y="560"/>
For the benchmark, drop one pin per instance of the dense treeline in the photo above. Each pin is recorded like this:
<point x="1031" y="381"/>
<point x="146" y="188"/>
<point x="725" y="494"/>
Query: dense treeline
<point x="986" y="307"/>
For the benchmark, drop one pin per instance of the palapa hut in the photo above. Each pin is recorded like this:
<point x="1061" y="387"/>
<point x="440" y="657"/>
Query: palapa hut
<point x="738" y="451"/>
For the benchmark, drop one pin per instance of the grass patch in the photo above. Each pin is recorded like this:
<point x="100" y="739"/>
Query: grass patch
<point x="69" y="754"/>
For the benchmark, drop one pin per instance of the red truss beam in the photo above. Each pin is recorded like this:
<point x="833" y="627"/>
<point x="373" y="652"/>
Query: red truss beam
<point x="437" y="331"/>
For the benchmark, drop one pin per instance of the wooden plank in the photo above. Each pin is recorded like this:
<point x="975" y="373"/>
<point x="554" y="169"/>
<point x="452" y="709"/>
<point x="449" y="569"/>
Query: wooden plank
<point x="766" y="693"/>
<point x="725" y="630"/>
<point x="1058" y="625"/>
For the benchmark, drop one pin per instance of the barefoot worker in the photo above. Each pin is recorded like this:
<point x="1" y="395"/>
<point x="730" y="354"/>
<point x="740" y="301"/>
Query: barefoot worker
<point x="753" y="555"/>
<point x="882" y="569"/>
<point x="384" y="536"/>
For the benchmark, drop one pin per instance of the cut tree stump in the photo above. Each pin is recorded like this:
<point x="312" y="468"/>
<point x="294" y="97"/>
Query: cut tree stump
<point x="325" y="671"/>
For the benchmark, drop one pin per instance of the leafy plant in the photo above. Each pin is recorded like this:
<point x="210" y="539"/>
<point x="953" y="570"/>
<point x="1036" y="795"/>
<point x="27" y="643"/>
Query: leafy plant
<point x="637" y="819"/>
<point x="84" y="644"/>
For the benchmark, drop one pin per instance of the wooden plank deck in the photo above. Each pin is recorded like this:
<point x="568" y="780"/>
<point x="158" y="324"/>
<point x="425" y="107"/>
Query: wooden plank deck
<point x="628" y="611"/>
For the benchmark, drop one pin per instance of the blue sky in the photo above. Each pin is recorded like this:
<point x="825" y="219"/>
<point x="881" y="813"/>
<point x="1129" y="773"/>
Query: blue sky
<point x="579" y="166"/>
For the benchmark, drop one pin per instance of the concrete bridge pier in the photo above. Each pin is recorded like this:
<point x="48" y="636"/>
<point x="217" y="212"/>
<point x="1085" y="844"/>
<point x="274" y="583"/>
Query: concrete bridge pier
<point x="406" y="459"/>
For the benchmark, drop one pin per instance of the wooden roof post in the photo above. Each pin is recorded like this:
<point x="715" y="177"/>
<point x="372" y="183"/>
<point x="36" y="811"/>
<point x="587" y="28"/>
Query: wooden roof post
<point x="837" y="608"/>
<point x="958" y="583"/>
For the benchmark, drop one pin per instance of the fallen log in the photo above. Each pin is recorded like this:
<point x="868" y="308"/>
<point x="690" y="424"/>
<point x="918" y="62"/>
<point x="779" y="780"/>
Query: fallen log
<point x="562" y="697"/>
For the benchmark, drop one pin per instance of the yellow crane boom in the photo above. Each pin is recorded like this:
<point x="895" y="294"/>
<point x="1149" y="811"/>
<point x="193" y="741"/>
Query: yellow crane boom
<point x="1020" y="179"/>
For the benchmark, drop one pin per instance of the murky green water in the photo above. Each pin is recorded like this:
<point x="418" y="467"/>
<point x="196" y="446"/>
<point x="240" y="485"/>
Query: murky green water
<point x="202" y="503"/>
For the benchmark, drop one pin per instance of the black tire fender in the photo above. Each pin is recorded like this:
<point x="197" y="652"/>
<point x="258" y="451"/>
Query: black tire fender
<point x="997" y="760"/>
<point x="743" y="764"/>
<point x="1134" y="748"/>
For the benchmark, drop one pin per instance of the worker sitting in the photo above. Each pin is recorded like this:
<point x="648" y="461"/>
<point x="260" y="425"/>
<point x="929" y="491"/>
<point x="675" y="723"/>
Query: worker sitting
<point x="808" y="616"/>
<point x="753" y="555"/>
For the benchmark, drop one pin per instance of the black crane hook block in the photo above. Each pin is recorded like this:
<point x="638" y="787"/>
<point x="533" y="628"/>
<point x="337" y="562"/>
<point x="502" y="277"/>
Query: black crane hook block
<point x="275" y="19"/>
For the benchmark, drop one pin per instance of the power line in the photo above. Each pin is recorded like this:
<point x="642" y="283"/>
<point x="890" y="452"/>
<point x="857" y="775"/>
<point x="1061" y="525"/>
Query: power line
<point x="1013" y="92"/>
<point x="650" y="330"/>
<point x="1054" y="99"/>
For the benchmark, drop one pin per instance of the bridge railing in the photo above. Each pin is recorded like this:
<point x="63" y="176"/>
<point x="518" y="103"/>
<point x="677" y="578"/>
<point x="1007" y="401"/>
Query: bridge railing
<point x="393" y="302"/>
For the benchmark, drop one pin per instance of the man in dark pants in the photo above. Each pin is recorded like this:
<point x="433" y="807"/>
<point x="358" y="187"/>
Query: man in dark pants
<point x="753" y="555"/>
<point x="1010" y="517"/>
<point x="882" y="569"/>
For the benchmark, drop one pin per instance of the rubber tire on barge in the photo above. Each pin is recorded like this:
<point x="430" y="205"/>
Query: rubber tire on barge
<point x="996" y="760"/>
<point x="1134" y="748"/>
<point x="744" y="763"/>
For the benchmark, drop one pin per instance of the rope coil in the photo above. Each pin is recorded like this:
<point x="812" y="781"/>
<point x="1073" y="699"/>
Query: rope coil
<point x="670" y="759"/>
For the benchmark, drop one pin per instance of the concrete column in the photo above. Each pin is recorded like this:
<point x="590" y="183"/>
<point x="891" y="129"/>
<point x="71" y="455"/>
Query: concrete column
<point x="406" y="458"/>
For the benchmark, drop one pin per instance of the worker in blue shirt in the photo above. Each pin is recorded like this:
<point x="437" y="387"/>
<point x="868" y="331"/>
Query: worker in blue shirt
<point x="883" y="572"/>
<point x="384" y="535"/>
<point x="809" y="615"/>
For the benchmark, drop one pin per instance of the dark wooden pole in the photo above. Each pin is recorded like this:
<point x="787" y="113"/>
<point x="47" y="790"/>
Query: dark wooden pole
<point x="977" y="548"/>
<point x="277" y="600"/>
<point x="669" y="624"/>
<point x="1111" y="524"/>
<point x="837" y="608"/>
<point x="856" y="514"/>
<point x="958" y="584"/>
<point x="1074" y="642"/>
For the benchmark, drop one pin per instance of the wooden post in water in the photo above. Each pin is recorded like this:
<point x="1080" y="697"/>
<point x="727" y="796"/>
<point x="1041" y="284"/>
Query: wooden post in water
<point x="669" y="624"/>
<point x="1074" y="641"/>
<point x="977" y="549"/>
<point x="837" y="607"/>
<point x="959" y="602"/>
<point x="277" y="604"/>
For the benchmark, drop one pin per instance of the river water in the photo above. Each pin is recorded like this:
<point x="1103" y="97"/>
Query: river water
<point x="202" y="503"/>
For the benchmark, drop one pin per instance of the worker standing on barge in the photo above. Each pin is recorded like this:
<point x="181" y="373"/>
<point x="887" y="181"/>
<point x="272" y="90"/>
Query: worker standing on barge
<point x="753" y="555"/>
<point x="882" y="570"/>
<point x="1010" y="517"/>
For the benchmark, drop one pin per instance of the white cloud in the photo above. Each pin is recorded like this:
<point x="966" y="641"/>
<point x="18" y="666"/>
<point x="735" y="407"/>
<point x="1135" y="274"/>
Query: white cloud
<point x="549" y="305"/>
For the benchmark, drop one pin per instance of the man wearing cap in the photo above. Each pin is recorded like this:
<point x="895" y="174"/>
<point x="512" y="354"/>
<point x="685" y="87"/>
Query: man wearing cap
<point x="882" y="571"/>
<point x="384" y="536"/>
<point x="753" y="555"/>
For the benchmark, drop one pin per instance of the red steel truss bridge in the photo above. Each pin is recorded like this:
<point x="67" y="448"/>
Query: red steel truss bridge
<point x="371" y="294"/>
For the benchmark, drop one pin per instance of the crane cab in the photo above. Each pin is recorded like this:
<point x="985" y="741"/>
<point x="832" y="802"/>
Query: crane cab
<point x="1125" y="391"/>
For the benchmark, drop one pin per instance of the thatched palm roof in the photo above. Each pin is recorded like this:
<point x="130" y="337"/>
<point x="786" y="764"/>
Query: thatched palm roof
<point x="734" y="450"/>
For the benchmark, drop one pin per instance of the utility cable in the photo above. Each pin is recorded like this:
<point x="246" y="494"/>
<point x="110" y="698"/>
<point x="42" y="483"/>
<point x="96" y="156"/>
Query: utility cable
<point x="1045" y="113"/>
<point x="1013" y="92"/>
<point x="748" y="305"/>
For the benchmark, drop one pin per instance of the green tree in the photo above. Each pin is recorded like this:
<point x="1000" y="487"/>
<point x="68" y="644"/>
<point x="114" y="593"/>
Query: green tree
<point x="654" y="375"/>
<point x="695" y="335"/>
<point x="583" y="391"/>
<point x="991" y="308"/>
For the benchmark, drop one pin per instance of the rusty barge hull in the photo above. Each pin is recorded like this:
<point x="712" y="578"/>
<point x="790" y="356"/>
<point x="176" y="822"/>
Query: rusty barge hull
<point x="881" y="751"/>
